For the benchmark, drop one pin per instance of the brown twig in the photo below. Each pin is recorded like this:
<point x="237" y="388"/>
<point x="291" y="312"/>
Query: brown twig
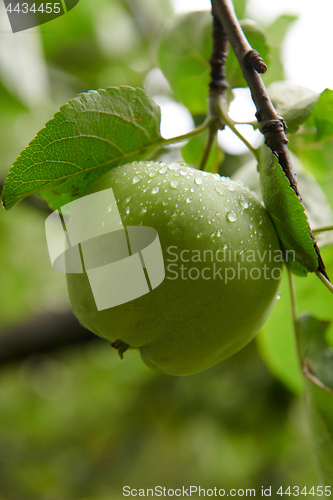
<point x="41" y="335"/>
<point x="272" y="125"/>
<point x="218" y="83"/>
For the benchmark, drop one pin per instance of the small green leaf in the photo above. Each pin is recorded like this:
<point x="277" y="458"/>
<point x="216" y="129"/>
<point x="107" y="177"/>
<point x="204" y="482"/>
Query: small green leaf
<point x="90" y="134"/>
<point x="323" y="114"/>
<point x="317" y="359"/>
<point x="276" y="33"/>
<point x="288" y="215"/>
<point x="277" y="345"/>
<point x="314" y="199"/>
<point x="317" y="356"/>
<point x="185" y="49"/>
<point x="192" y="153"/>
<point x="293" y="102"/>
<point x="183" y="54"/>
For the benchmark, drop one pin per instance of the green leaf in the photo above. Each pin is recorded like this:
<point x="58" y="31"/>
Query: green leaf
<point x="277" y="340"/>
<point x="323" y="114"/>
<point x="185" y="49"/>
<point x="192" y="153"/>
<point x="315" y="202"/>
<point x="276" y="33"/>
<point x="293" y="102"/>
<point x="183" y="54"/>
<point x="277" y="345"/>
<point x="239" y="6"/>
<point x="90" y="134"/>
<point x="288" y="215"/>
<point x="317" y="358"/>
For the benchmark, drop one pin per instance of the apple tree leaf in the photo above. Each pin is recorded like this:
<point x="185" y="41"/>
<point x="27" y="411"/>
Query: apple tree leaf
<point x="322" y="115"/>
<point x="317" y="360"/>
<point x="89" y="135"/>
<point x="183" y="55"/>
<point x="276" y="33"/>
<point x="288" y="215"/>
<point x="293" y="102"/>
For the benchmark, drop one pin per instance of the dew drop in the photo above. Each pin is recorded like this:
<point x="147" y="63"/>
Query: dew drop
<point x="278" y="297"/>
<point x="174" y="166"/>
<point x="219" y="233"/>
<point x="199" y="235"/>
<point x="127" y="210"/>
<point x="198" y="180"/>
<point x="144" y="209"/>
<point x="136" y="179"/>
<point x="230" y="187"/>
<point x="173" y="184"/>
<point x="217" y="177"/>
<point x="155" y="190"/>
<point x="188" y="200"/>
<point x="218" y="191"/>
<point x="182" y="172"/>
<point x="192" y="190"/>
<point x="163" y="170"/>
<point x="151" y="174"/>
<point x="243" y="203"/>
<point x="231" y="216"/>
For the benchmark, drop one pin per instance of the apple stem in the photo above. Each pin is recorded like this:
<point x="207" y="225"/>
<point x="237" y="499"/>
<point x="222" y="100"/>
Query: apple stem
<point x="212" y="136"/>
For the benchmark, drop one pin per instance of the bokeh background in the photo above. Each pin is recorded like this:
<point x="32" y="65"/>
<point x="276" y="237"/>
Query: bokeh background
<point x="76" y="422"/>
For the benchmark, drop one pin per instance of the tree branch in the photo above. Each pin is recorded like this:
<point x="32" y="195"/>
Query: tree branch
<point x="272" y="125"/>
<point x="42" y="334"/>
<point x="218" y="83"/>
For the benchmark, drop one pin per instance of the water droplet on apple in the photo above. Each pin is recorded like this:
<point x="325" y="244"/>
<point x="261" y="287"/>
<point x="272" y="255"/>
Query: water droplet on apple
<point x="243" y="203"/>
<point x="198" y="180"/>
<point x="155" y="190"/>
<point x="136" y="179"/>
<point x="173" y="184"/>
<point x="231" y="216"/>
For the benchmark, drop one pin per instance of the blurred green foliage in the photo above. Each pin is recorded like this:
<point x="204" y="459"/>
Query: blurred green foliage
<point x="81" y="424"/>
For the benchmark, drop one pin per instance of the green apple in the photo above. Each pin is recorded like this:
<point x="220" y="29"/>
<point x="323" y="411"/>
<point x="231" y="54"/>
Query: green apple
<point x="223" y="267"/>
